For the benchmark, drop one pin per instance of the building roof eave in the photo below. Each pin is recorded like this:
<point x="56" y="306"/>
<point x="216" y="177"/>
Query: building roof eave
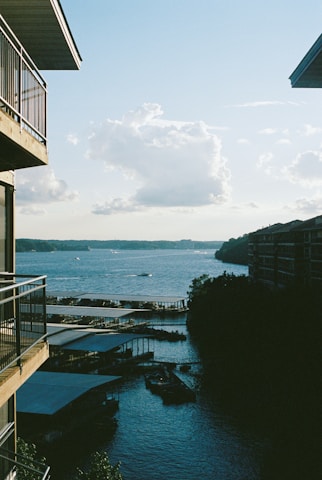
<point x="308" y="73"/>
<point x="42" y="28"/>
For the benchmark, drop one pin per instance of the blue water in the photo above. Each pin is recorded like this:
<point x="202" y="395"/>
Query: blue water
<point x="109" y="272"/>
<point x="154" y="441"/>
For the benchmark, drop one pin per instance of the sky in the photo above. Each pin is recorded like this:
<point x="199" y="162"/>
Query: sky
<point x="180" y="124"/>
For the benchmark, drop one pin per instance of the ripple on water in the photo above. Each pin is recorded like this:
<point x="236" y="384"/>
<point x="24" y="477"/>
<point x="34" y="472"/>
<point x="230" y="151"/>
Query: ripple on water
<point x="182" y="442"/>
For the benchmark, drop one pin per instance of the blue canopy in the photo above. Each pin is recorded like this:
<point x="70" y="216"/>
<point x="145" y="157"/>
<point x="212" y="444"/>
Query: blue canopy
<point x="48" y="392"/>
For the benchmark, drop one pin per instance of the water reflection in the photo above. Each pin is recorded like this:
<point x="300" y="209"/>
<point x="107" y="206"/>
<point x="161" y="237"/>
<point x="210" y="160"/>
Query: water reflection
<point x="185" y="442"/>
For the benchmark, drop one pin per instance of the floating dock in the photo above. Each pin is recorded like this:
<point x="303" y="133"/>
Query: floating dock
<point x="151" y="302"/>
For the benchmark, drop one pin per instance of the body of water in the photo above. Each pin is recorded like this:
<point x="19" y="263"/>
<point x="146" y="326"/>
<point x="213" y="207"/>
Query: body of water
<point x="154" y="441"/>
<point x="110" y="271"/>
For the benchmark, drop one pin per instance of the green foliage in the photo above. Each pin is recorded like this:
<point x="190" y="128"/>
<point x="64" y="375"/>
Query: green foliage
<point x="234" y="251"/>
<point x="197" y="287"/>
<point x="259" y="347"/>
<point x="261" y="352"/>
<point x="28" y="245"/>
<point x="30" y="459"/>
<point x="100" y="469"/>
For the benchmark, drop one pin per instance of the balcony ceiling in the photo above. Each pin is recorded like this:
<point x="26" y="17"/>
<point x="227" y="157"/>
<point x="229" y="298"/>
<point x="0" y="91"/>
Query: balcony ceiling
<point x="42" y="28"/>
<point x="308" y="74"/>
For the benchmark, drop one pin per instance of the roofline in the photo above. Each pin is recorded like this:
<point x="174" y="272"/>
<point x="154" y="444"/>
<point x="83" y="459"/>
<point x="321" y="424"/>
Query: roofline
<point x="305" y="63"/>
<point x="41" y="26"/>
<point x="61" y="17"/>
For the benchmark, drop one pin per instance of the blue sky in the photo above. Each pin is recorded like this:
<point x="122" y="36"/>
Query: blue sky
<point x="181" y="123"/>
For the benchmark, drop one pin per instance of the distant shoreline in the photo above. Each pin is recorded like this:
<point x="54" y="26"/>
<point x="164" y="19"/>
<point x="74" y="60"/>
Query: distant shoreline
<point x="37" y="245"/>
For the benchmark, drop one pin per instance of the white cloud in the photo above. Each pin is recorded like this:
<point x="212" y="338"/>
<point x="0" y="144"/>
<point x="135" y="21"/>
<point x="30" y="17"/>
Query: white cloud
<point x="171" y="163"/>
<point x="73" y="139"/>
<point x="306" y="169"/>
<point x="264" y="161"/>
<point x="243" y="141"/>
<point x="115" y="205"/>
<point x="307" y="206"/>
<point x="284" y="141"/>
<point x="244" y="207"/>
<point x="267" y="131"/>
<point x="253" y="205"/>
<point x="40" y="186"/>
<point x="309" y="130"/>
<point x="33" y="210"/>
<point x="264" y="103"/>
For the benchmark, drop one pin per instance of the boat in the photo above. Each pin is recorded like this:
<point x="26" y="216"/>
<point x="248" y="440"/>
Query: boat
<point x="144" y="274"/>
<point x="157" y="381"/>
<point x="169" y="386"/>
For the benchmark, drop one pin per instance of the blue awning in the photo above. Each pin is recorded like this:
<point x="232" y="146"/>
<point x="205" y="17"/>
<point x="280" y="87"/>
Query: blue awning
<point x="103" y="342"/>
<point x="46" y="393"/>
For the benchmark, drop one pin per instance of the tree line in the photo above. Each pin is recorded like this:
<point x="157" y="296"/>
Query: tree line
<point x="234" y="251"/>
<point x="260" y="351"/>
<point x="29" y="245"/>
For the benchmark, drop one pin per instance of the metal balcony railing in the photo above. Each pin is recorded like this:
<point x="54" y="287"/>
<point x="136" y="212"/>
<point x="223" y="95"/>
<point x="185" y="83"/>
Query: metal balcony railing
<point x="22" y="316"/>
<point x="23" y="93"/>
<point x="22" y="467"/>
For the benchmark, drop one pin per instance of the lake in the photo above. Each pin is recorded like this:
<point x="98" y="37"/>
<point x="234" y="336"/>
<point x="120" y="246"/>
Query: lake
<point x="155" y="441"/>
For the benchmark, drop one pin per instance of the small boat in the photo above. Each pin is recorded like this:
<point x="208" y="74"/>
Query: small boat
<point x="157" y="381"/>
<point x="144" y="274"/>
<point x="170" y="387"/>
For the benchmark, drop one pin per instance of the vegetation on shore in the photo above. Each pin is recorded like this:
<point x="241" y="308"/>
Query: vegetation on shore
<point x="29" y="245"/>
<point x="234" y="251"/>
<point x="31" y="460"/>
<point x="261" y="355"/>
<point x="99" y="468"/>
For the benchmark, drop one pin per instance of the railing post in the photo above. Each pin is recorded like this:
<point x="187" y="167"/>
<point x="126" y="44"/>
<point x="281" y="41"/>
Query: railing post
<point x="23" y="318"/>
<point x="44" y="310"/>
<point x="18" y="327"/>
<point x="20" y="90"/>
<point x="45" y="110"/>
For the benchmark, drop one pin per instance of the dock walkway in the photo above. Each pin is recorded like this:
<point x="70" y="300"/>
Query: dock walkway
<point x="160" y="302"/>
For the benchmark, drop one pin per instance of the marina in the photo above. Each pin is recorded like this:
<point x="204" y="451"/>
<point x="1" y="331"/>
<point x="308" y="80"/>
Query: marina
<point x="160" y="303"/>
<point x="83" y="349"/>
<point x="153" y="439"/>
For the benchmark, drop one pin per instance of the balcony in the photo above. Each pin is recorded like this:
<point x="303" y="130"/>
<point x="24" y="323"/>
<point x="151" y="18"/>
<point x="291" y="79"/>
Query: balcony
<point x="14" y="465"/>
<point x="23" y="98"/>
<point x="23" y="346"/>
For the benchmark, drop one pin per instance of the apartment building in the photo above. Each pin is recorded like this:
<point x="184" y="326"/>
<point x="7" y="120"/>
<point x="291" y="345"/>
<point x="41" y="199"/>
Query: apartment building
<point x="34" y="36"/>
<point x="287" y="254"/>
<point x="284" y="254"/>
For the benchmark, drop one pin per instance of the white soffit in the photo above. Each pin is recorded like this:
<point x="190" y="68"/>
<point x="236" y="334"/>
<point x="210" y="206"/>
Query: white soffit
<point x="42" y="28"/>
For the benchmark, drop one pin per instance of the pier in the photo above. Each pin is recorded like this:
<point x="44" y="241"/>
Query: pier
<point x="167" y="303"/>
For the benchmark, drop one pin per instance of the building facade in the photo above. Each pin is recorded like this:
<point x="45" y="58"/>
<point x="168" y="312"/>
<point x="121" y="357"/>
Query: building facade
<point x="292" y="254"/>
<point x="287" y="254"/>
<point x="34" y="36"/>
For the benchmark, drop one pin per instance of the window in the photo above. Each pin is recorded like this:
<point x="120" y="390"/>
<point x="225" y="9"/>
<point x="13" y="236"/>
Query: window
<point x="7" y="436"/>
<point x="6" y="228"/>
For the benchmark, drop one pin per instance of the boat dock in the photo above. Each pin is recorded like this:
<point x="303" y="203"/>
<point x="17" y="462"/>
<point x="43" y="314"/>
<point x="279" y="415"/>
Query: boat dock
<point x="159" y="303"/>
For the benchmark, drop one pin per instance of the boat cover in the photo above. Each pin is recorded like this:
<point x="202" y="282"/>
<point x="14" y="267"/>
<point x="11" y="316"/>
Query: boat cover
<point x="48" y="392"/>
